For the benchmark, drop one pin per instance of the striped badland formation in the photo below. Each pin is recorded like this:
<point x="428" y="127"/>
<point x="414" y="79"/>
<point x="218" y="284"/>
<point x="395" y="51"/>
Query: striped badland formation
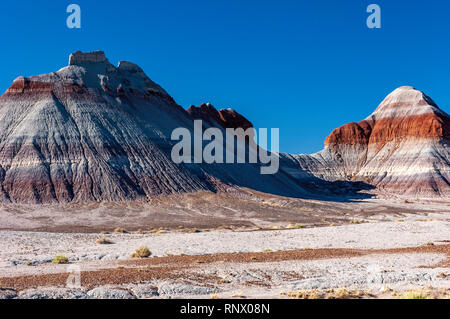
<point x="401" y="148"/>
<point x="97" y="132"/>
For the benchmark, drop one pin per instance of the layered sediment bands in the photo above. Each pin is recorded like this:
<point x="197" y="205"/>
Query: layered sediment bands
<point x="351" y="134"/>
<point x="401" y="148"/>
<point x="22" y="85"/>
<point x="95" y="132"/>
<point x="63" y="137"/>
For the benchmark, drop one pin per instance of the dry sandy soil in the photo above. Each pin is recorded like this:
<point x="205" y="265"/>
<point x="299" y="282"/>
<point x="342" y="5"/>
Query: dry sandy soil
<point x="227" y="246"/>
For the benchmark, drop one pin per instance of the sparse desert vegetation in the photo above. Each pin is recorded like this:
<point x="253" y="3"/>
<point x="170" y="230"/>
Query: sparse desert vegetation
<point x="141" y="252"/>
<point x="104" y="241"/>
<point x="120" y="230"/>
<point x="295" y="226"/>
<point x="427" y="293"/>
<point x="345" y="293"/>
<point x="60" y="259"/>
<point x="252" y="260"/>
<point x="340" y="293"/>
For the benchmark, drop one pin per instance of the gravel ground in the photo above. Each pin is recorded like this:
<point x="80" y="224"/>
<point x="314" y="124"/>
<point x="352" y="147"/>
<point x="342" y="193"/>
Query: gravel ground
<point x="30" y="253"/>
<point x="375" y="273"/>
<point x="20" y="248"/>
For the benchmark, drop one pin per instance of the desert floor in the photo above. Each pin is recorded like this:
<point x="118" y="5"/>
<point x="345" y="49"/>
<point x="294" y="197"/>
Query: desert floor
<point x="227" y="246"/>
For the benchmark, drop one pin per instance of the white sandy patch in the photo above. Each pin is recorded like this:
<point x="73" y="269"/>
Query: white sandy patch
<point x="18" y="248"/>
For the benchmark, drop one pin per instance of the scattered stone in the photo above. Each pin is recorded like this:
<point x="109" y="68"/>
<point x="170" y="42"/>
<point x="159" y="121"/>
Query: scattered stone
<point x="184" y="289"/>
<point x="144" y="292"/>
<point x="53" y="293"/>
<point x="7" y="293"/>
<point x="110" y="293"/>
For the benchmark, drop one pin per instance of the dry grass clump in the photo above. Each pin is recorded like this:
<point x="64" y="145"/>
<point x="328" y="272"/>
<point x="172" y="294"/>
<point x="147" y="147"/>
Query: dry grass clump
<point x="414" y="295"/>
<point x="340" y="293"/>
<point x="275" y="227"/>
<point x="159" y="231"/>
<point x="295" y="226"/>
<point x="120" y="230"/>
<point x="272" y="204"/>
<point x="190" y="230"/>
<point x="343" y="293"/>
<point x="60" y="259"/>
<point x="302" y="294"/>
<point x="429" y="293"/>
<point x="141" y="252"/>
<point x="214" y="296"/>
<point x="104" y="241"/>
<point x="426" y="220"/>
<point x="224" y="227"/>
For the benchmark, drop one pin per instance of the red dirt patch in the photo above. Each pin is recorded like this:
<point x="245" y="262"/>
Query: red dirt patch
<point x="177" y="267"/>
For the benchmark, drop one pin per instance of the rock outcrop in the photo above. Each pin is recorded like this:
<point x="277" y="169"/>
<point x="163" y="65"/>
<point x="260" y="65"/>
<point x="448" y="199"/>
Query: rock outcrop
<point x="95" y="132"/>
<point x="226" y="118"/>
<point x="402" y="148"/>
<point x="90" y="132"/>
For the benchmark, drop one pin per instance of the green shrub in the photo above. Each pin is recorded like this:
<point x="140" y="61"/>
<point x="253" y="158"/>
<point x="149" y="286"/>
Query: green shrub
<point x="60" y="259"/>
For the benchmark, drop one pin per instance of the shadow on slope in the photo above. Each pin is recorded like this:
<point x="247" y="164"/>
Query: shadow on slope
<point x="304" y="185"/>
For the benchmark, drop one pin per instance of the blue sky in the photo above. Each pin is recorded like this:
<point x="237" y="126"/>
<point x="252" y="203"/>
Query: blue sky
<point x="304" y="66"/>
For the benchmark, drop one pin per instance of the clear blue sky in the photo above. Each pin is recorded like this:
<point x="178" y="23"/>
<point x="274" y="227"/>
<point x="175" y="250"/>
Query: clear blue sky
<point x="304" y="66"/>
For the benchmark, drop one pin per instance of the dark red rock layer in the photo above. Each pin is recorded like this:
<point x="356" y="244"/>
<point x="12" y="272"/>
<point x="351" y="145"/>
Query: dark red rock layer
<point x="227" y="118"/>
<point x="429" y="126"/>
